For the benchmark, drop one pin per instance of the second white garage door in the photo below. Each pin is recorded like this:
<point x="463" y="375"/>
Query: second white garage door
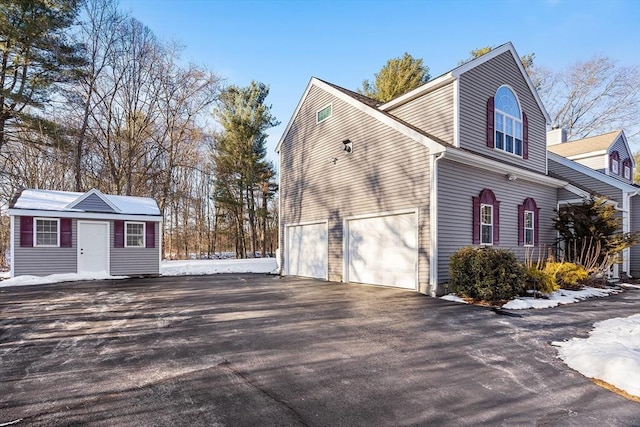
<point x="307" y="250"/>
<point x="382" y="250"/>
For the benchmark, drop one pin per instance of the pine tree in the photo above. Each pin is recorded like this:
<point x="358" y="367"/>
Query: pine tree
<point x="397" y="77"/>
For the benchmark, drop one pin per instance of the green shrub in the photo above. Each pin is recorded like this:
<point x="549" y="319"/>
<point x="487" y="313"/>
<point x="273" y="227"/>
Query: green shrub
<point x="568" y="275"/>
<point x="540" y="281"/>
<point x="486" y="274"/>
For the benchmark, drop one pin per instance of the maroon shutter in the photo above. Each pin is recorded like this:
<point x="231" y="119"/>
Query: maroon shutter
<point x="65" y="232"/>
<point x="496" y="223"/>
<point x="536" y="225"/>
<point x="525" y="136"/>
<point x="118" y="234"/>
<point x="150" y="234"/>
<point x="520" y="225"/>
<point x="490" y="124"/>
<point x="26" y="231"/>
<point x="476" y="220"/>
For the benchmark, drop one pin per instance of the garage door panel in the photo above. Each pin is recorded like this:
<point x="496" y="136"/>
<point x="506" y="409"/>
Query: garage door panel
<point x="383" y="250"/>
<point x="307" y="250"/>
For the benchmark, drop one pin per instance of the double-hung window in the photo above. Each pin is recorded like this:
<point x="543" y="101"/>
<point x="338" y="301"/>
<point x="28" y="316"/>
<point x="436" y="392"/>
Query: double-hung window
<point x="46" y="232"/>
<point x="486" y="224"/>
<point x="614" y="158"/>
<point x="508" y="122"/>
<point x="529" y="229"/>
<point x="134" y="235"/>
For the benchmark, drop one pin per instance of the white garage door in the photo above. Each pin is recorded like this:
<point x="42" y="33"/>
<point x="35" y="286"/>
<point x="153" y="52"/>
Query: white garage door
<point x="307" y="250"/>
<point x="383" y="250"/>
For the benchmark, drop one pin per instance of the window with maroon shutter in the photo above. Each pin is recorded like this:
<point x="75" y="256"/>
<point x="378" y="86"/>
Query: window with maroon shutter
<point x="528" y="220"/>
<point x="507" y="123"/>
<point x="118" y="234"/>
<point x="150" y="230"/>
<point x="26" y="231"/>
<point x="615" y="163"/>
<point x="66" y="231"/>
<point x="486" y="219"/>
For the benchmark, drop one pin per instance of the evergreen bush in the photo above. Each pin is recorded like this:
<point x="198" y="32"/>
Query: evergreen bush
<point x="567" y="274"/>
<point x="540" y="281"/>
<point x="486" y="274"/>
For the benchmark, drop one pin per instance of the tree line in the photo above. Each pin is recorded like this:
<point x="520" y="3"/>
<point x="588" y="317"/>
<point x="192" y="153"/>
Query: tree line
<point x="91" y="98"/>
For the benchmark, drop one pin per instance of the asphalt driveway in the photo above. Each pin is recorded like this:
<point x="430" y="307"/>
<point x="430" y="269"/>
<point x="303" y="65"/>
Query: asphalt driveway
<point x="249" y="350"/>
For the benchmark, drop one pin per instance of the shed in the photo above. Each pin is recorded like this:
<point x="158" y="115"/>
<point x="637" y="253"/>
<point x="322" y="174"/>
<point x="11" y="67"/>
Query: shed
<point x="68" y="232"/>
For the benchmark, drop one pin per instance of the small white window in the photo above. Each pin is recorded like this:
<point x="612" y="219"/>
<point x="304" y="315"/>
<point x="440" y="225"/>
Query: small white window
<point x="627" y="172"/>
<point x="486" y="225"/>
<point x="324" y="113"/>
<point x="46" y="232"/>
<point x="134" y="235"/>
<point x="614" y="166"/>
<point x="529" y="230"/>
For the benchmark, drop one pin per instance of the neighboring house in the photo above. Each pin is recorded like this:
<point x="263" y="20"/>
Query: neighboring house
<point x="602" y="165"/>
<point x="385" y="193"/>
<point x="65" y="232"/>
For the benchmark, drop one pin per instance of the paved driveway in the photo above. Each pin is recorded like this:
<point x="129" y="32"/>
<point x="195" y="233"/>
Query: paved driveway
<point x="243" y="350"/>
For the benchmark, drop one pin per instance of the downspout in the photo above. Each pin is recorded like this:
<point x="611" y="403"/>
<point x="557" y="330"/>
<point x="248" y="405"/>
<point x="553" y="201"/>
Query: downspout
<point x="433" y="222"/>
<point x="626" y="228"/>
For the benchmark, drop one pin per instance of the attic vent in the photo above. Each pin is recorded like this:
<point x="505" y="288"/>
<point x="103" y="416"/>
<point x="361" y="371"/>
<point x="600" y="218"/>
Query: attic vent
<point x="324" y="113"/>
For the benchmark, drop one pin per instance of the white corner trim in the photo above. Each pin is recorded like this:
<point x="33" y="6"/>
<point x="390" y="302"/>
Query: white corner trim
<point x="456" y="113"/>
<point x="433" y="221"/>
<point x="12" y="245"/>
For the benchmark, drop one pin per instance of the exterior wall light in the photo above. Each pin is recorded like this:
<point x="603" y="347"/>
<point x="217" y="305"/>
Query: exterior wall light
<point x="348" y="145"/>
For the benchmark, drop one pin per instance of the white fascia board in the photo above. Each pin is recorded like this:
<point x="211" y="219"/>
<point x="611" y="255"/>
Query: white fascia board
<point x="295" y="112"/>
<point x="456" y="72"/>
<point x="98" y="193"/>
<point x="591" y="173"/>
<point x="83" y="215"/>
<point x="417" y="92"/>
<point x="587" y="155"/>
<point x="577" y="191"/>
<point x="432" y="145"/>
<point x="504" y="168"/>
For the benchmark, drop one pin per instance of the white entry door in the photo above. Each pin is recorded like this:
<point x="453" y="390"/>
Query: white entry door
<point x="93" y="247"/>
<point x="307" y="250"/>
<point x="382" y="250"/>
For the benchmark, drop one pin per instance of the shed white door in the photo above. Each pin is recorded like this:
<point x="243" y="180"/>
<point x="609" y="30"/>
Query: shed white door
<point x="307" y="250"/>
<point x="93" y="247"/>
<point x="382" y="250"/>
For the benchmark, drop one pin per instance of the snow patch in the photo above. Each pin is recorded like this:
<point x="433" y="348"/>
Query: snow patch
<point x="215" y="266"/>
<point x="611" y="353"/>
<point x="454" y="298"/>
<point x="563" y="296"/>
<point x="56" y="278"/>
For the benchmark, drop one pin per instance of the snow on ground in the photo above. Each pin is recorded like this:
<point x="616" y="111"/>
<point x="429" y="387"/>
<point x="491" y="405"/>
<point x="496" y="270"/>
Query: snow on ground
<point x="563" y="296"/>
<point x="611" y="353"/>
<point x="453" y="297"/>
<point x="167" y="268"/>
<point x="215" y="266"/>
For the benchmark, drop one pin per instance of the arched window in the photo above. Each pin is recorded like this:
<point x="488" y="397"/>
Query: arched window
<point x="486" y="219"/>
<point x="507" y="125"/>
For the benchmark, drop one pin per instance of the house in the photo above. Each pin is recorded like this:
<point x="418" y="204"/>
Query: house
<point x="602" y="165"/>
<point x="67" y="232"/>
<point x="384" y="193"/>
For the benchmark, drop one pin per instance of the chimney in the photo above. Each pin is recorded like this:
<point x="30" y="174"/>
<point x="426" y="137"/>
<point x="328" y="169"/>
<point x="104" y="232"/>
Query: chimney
<point x="556" y="136"/>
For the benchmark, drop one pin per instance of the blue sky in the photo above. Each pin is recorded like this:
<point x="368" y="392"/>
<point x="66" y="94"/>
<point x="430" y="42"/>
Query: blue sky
<point x="285" y="43"/>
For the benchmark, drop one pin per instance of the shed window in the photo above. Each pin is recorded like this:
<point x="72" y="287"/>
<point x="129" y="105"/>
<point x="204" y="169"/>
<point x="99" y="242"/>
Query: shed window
<point x="134" y="235"/>
<point x="324" y="113"/>
<point x="46" y="232"/>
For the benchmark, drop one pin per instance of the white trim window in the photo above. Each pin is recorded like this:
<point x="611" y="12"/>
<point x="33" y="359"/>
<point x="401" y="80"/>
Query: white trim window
<point x="508" y="122"/>
<point x="627" y="172"/>
<point x="529" y="228"/>
<point x="486" y="224"/>
<point x="614" y="166"/>
<point x="324" y="113"/>
<point x="46" y="232"/>
<point x="134" y="234"/>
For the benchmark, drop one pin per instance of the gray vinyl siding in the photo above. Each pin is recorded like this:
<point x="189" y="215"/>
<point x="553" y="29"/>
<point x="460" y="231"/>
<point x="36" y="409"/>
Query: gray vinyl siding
<point x="134" y="261"/>
<point x="586" y="182"/>
<point x="564" y="194"/>
<point x="431" y="112"/>
<point x="385" y="172"/>
<point x="635" y="226"/>
<point x="94" y="203"/>
<point x="43" y="261"/>
<point x="458" y="184"/>
<point x="476" y="87"/>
